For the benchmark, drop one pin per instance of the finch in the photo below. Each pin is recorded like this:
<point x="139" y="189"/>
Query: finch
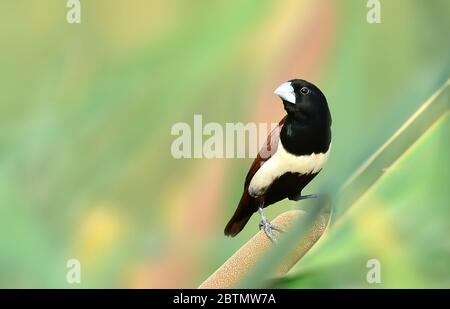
<point x="295" y="152"/>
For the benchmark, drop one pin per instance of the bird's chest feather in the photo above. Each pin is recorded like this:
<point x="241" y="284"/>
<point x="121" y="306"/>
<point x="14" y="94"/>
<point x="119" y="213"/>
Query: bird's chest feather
<point x="283" y="162"/>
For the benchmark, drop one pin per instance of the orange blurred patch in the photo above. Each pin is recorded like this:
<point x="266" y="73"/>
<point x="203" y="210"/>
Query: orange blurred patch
<point x="301" y="54"/>
<point x="174" y="270"/>
<point x="197" y="203"/>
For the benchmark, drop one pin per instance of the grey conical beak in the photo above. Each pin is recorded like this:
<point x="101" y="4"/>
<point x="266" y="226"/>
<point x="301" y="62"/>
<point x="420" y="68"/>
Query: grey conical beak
<point x="286" y="92"/>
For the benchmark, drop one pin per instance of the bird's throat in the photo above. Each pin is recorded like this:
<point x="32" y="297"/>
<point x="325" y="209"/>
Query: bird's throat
<point x="303" y="136"/>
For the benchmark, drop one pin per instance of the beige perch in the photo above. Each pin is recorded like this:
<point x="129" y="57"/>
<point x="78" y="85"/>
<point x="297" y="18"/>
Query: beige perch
<point x="239" y="264"/>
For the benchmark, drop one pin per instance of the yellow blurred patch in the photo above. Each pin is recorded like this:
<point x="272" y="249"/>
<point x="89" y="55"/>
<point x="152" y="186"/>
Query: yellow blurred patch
<point x="382" y="239"/>
<point x="98" y="231"/>
<point x="131" y="25"/>
<point x="375" y="226"/>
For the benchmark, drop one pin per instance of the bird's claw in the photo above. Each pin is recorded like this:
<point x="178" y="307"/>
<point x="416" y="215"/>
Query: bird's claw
<point x="268" y="230"/>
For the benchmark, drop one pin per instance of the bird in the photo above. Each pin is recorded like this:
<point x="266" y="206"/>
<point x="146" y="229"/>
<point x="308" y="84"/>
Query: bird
<point x="296" y="150"/>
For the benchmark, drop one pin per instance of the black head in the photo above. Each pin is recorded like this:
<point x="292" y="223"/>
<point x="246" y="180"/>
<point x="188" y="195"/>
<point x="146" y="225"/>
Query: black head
<point x="304" y="101"/>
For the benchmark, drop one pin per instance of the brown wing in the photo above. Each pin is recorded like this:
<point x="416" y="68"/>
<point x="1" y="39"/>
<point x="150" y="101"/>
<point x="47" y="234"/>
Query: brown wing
<point x="247" y="205"/>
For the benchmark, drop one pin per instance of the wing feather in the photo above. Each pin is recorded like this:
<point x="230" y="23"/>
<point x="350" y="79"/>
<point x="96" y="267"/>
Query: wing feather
<point x="247" y="205"/>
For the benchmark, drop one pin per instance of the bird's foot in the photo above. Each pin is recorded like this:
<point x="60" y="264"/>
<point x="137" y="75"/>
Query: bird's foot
<point x="269" y="228"/>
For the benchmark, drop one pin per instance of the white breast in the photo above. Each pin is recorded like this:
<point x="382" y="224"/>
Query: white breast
<point x="283" y="162"/>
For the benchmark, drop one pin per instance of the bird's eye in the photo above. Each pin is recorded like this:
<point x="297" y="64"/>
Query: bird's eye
<point x="304" y="90"/>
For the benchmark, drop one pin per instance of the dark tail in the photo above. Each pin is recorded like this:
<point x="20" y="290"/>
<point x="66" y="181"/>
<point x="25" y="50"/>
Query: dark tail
<point x="241" y="216"/>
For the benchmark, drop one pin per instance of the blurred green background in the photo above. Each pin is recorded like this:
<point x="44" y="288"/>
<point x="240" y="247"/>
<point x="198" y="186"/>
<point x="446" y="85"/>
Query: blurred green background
<point x="86" y="111"/>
